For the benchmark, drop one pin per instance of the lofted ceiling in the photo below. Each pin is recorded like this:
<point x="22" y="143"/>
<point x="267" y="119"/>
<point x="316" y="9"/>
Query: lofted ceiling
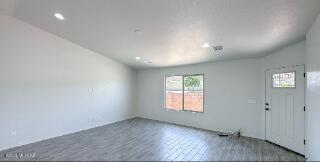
<point x="171" y="32"/>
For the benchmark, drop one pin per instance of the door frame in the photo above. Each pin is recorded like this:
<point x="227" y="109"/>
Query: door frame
<point x="265" y="99"/>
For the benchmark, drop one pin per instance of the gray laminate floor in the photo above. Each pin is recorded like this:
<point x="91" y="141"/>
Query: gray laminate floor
<point x="144" y="139"/>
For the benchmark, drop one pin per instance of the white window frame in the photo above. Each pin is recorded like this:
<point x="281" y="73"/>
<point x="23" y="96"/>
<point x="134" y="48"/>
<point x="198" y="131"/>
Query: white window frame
<point x="183" y="76"/>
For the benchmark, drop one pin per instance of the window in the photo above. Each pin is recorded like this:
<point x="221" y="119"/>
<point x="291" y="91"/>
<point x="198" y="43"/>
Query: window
<point x="283" y="80"/>
<point x="184" y="93"/>
<point x="174" y="92"/>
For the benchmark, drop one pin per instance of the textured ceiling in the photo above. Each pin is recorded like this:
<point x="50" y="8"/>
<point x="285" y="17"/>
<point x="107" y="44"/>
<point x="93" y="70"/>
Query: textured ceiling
<point x="172" y="31"/>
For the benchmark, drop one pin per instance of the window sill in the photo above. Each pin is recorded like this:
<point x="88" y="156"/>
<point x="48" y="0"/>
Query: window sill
<point x="188" y="111"/>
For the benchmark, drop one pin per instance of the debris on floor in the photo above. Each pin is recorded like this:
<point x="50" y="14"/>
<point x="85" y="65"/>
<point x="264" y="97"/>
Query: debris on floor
<point x="235" y="134"/>
<point x="223" y="134"/>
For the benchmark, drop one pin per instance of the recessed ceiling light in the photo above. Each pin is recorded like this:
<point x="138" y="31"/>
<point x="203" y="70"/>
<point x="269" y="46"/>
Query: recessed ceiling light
<point x="59" y="16"/>
<point x="137" y="58"/>
<point x="205" y="45"/>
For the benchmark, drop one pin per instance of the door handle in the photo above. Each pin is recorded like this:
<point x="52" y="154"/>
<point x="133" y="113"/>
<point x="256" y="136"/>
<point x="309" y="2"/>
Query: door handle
<point x="267" y="109"/>
<point x="267" y="104"/>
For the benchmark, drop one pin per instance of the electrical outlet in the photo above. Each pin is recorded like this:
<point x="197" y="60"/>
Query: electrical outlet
<point x="99" y="118"/>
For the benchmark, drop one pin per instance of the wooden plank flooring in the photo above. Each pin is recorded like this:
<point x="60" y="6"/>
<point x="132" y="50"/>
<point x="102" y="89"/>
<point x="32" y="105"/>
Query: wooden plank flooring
<point x="141" y="139"/>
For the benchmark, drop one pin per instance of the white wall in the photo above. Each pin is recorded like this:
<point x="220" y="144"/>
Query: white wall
<point x="289" y="56"/>
<point x="228" y="86"/>
<point x="313" y="91"/>
<point x="51" y="87"/>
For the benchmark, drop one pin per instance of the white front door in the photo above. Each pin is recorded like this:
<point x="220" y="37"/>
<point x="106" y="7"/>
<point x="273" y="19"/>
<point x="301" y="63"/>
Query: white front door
<point x="285" y="107"/>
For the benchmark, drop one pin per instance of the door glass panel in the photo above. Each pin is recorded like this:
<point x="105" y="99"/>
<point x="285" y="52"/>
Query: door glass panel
<point x="283" y="80"/>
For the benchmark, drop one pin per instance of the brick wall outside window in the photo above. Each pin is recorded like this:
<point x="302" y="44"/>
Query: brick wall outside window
<point x="193" y="101"/>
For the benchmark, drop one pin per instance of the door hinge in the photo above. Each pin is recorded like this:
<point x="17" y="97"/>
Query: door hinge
<point x="304" y="142"/>
<point x="304" y="108"/>
<point x="304" y="74"/>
